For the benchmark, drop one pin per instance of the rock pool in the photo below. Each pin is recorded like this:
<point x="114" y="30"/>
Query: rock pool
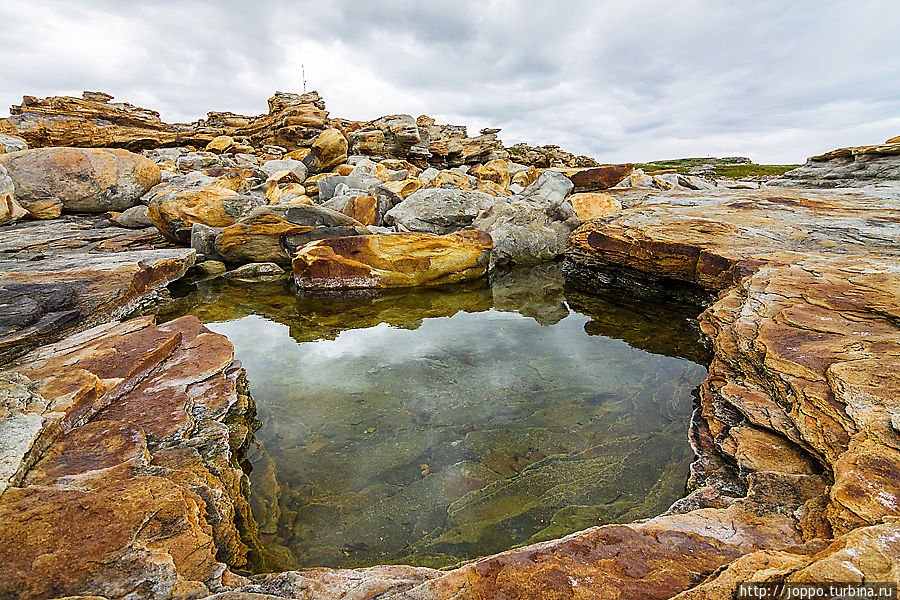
<point x="433" y="426"/>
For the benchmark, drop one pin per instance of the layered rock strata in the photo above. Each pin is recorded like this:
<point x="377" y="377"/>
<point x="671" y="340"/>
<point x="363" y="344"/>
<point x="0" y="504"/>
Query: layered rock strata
<point x="60" y="275"/>
<point x="803" y="384"/>
<point x="119" y="464"/>
<point x="847" y="167"/>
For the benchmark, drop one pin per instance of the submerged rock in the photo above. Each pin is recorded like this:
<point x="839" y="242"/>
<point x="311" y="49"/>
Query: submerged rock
<point x="84" y="179"/>
<point x="394" y="260"/>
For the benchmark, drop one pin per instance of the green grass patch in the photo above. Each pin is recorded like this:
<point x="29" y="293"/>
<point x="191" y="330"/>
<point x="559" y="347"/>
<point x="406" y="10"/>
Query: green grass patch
<point x="723" y="167"/>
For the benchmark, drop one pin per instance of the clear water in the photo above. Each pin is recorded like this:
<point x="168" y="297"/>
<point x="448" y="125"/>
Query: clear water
<point x="430" y="427"/>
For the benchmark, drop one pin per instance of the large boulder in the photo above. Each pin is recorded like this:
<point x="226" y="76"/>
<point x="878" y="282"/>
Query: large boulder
<point x="438" y="210"/>
<point x="523" y="233"/>
<point x="271" y="234"/>
<point x="329" y="149"/>
<point x="84" y="179"/>
<point x="392" y="260"/>
<point x="175" y="206"/>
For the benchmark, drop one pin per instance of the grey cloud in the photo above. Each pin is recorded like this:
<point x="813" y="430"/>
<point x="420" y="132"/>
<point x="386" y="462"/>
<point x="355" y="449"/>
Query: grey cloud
<point x="600" y="78"/>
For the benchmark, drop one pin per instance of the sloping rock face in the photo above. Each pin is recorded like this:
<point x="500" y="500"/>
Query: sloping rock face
<point x="124" y="480"/>
<point x="804" y="381"/>
<point x="59" y="275"/>
<point x="392" y="260"/>
<point x="846" y="167"/>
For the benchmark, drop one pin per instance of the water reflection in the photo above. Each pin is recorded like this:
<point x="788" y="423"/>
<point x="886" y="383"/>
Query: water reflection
<point x="433" y="426"/>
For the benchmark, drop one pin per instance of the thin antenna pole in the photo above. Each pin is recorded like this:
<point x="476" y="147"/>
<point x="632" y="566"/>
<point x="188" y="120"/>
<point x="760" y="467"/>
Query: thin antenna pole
<point x="304" y="77"/>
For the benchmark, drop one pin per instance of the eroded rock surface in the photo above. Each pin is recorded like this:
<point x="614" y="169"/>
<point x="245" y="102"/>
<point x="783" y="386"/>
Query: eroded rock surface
<point x="130" y="484"/>
<point x="806" y="339"/>
<point x="62" y="274"/>
<point x="847" y="167"/>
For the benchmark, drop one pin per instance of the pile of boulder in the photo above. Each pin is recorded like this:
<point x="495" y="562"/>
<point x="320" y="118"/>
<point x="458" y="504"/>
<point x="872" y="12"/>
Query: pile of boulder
<point x="424" y="203"/>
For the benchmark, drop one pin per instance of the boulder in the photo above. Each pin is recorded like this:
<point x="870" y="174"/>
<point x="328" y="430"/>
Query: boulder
<point x="10" y="210"/>
<point x="135" y="217"/>
<point x="220" y="144"/>
<point x="329" y="149"/>
<point x="271" y="234"/>
<point x="257" y="271"/>
<point x="549" y="190"/>
<point x="393" y="260"/>
<point x="175" y="208"/>
<point x="590" y="205"/>
<point x="12" y="143"/>
<point x="438" y="211"/>
<point x="523" y="233"/>
<point x="44" y="208"/>
<point x="84" y="179"/>
<point x="277" y="170"/>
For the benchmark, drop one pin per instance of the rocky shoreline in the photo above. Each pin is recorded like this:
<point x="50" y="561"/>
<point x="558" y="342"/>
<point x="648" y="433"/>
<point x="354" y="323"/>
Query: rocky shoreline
<point x="120" y="445"/>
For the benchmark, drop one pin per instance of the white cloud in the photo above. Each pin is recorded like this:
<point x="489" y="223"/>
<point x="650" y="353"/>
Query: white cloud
<point x="618" y="81"/>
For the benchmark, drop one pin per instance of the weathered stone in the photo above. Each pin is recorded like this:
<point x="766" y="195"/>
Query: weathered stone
<point x="256" y="271"/>
<point x="220" y="144"/>
<point x="272" y="233"/>
<point x="88" y="273"/>
<point x="84" y="179"/>
<point x="846" y="167"/>
<point x="136" y="217"/>
<point x="438" y="211"/>
<point x="382" y="261"/>
<point x="330" y="149"/>
<point x="522" y="231"/>
<point x="43" y="208"/>
<point x="277" y="170"/>
<point x="12" y="143"/>
<point x="587" y="179"/>
<point x="593" y="205"/>
<point x="175" y="208"/>
<point x="10" y="209"/>
<point x="450" y="179"/>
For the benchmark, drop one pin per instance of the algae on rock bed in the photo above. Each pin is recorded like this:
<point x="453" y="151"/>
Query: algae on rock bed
<point x="429" y="427"/>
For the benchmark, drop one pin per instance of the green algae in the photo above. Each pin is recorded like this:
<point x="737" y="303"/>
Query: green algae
<point x="429" y="427"/>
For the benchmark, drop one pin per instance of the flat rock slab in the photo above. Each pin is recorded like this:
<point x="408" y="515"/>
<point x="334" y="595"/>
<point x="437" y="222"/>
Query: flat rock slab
<point x="700" y="237"/>
<point x="64" y="274"/>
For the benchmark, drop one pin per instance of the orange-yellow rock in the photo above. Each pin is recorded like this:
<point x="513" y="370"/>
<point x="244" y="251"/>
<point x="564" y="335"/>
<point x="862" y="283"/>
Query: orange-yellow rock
<point x="589" y="205"/>
<point x="525" y="177"/>
<point x="330" y="148"/>
<point x="220" y="144"/>
<point x="451" y="179"/>
<point x="403" y="188"/>
<point x="385" y="261"/>
<point x="596" y="178"/>
<point x="175" y="210"/>
<point x="495" y="170"/>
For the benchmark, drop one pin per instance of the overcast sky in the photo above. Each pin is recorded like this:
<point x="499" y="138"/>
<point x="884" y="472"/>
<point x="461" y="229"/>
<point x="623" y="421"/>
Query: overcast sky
<point x="624" y="80"/>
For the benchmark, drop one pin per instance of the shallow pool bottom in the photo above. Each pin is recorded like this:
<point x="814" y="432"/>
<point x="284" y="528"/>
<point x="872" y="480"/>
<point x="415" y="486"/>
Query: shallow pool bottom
<point x="435" y="426"/>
